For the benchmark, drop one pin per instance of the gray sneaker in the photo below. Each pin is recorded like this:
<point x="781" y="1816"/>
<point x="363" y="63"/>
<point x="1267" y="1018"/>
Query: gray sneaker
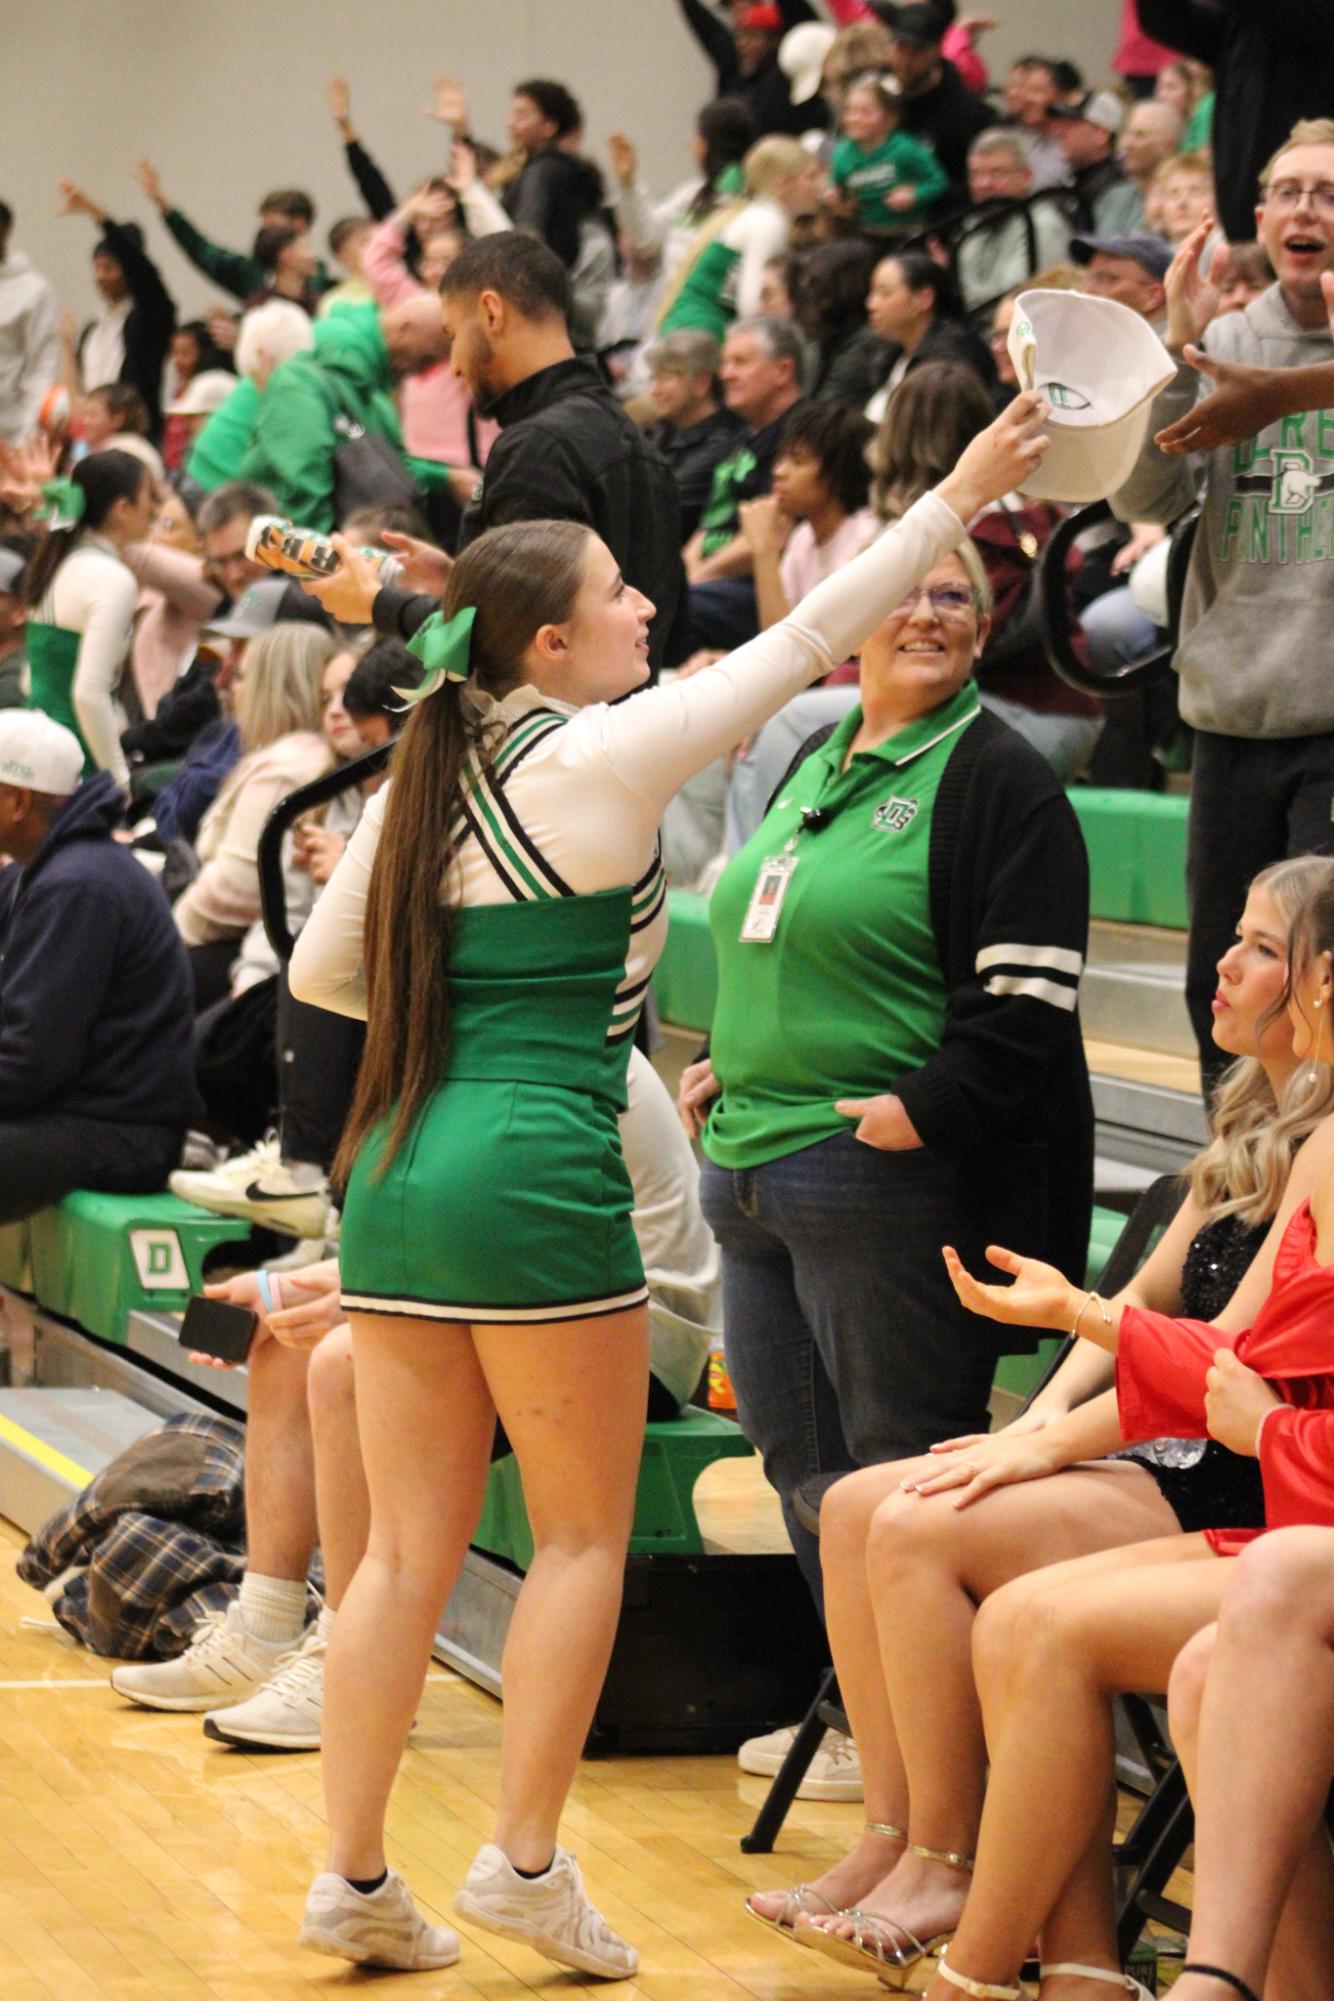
<point x="286" y="1713"/>
<point x="384" y="1928"/>
<point x="552" y="1914"/>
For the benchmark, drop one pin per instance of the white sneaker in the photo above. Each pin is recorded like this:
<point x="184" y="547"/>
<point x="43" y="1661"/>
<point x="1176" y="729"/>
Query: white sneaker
<point x="286" y="1713"/>
<point x="222" y="1662"/>
<point x="551" y="1913"/>
<point x="764" y="1756"/>
<point x="261" y="1187"/>
<point x="382" y="1928"/>
<point x="834" y="1773"/>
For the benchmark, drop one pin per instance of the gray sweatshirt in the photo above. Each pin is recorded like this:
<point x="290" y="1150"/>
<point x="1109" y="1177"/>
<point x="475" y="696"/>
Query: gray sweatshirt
<point x="1257" y="623"/>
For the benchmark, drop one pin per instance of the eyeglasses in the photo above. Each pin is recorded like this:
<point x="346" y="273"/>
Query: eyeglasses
<point x="1287" y="194"/>
<point x="946" y="600"/>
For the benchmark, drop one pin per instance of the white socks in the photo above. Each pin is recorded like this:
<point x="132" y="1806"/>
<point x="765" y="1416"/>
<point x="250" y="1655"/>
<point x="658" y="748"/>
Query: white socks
<point x="274" y="1608"/>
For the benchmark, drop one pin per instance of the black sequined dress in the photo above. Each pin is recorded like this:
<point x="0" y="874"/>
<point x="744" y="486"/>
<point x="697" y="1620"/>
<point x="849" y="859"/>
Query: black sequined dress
<point x="1205" y="1485"/>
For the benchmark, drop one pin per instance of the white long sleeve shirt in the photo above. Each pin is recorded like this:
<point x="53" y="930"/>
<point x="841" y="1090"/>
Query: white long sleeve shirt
<point x="93" y="593"/>
<point x="590" y="795"/>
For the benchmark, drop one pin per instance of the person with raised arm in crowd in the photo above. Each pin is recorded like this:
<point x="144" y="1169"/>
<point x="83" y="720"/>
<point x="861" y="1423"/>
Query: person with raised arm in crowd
<point x="130" y="339"/>
<point x="245" y="277"/>
<point x="745" y="59"/>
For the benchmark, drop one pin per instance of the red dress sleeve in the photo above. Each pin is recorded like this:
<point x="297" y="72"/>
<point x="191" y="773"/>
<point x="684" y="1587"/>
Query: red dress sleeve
<point x="1161" y="1365"/>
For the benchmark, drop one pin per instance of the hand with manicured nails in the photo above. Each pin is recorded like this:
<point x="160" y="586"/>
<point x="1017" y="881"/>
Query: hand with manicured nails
<point x="1235" y="1402"/>
<point x="972" y="1467"/>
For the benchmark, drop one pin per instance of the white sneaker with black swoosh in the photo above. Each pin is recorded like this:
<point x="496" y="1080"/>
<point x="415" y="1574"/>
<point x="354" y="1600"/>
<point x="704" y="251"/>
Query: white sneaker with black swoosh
<point x="261" y="1187"/>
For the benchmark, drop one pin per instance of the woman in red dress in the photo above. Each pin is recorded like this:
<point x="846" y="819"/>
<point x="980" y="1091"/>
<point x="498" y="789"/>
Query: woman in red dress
<point x="1051" y="1649"/>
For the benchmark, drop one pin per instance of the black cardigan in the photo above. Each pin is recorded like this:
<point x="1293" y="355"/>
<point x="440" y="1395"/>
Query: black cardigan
<point x="1007" y="1092"/>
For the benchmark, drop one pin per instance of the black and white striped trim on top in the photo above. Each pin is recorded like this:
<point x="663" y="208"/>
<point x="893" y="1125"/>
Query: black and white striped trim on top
<point x="1048" y="973"/>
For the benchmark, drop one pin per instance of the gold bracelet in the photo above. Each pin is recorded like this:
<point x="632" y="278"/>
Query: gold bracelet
<point x="1102" y="1308"/>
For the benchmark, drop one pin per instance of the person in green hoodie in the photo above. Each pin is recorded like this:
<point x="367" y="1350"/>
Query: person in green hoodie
<point x="343" y="385"/>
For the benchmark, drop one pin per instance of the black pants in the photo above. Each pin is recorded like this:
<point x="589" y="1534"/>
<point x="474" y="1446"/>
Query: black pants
<point x="47" y="1155"/>
<point x="318" y="1057"/>
<point x="211" y="966"/>
<point x="1252" y="803"/>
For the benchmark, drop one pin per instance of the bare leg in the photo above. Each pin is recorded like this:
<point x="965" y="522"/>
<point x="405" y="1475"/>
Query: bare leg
<point x="928" y="1564"/>
<point x="1049" y="1651"/>
<point x="279" y="1464"/>
<point x="426" y="1421"/>
<point x="1257" y="1740"/>
<point x="343" y="1503"/>
<point x="571" y="1398"/>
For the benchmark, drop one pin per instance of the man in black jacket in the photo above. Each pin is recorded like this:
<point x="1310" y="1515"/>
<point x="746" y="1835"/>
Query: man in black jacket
<point x="96" y="999"/>
<point x="566" y="450"/>
<point x="1272" y="65"/>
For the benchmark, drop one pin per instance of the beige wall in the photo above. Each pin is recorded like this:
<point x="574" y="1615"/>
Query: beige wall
<point x="228" y="99"/>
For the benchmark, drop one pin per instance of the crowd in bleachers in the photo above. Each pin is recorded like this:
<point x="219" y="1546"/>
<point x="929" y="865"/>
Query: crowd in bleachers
<point x="763" y="392"/>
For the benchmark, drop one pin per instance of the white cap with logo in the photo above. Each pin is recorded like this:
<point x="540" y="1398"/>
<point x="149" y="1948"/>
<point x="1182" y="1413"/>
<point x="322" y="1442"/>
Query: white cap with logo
<point x="1099" y="365"/>
<point x="38" y="754"/>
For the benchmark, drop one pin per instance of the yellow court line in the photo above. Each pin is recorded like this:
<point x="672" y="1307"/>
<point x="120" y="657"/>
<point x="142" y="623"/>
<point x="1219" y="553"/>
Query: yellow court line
<point x="45" y="1455"/>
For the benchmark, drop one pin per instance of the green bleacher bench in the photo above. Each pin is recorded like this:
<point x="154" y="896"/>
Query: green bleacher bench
<point x="95" y="1259"/>
<point x="1137" y="854"/>
<point x="676" y="1451"/>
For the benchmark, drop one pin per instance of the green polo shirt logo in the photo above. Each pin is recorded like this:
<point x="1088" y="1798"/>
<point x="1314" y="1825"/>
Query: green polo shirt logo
<point x="895" y="815"/>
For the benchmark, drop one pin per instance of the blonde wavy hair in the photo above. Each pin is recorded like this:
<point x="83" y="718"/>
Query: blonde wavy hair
<point x="1244" y="1169"/>
<point x="283" y="689"/>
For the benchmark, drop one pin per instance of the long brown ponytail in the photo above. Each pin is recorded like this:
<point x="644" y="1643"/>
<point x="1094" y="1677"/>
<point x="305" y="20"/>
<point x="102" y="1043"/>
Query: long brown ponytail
<point x="520" y="578"/>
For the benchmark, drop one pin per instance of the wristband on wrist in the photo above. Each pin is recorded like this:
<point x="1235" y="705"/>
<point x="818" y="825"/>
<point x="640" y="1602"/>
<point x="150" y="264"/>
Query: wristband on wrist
<point x="270" y="1291"/>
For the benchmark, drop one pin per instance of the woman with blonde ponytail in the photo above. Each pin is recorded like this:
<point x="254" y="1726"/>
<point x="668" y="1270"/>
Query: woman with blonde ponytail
<point x="496" y="918"/>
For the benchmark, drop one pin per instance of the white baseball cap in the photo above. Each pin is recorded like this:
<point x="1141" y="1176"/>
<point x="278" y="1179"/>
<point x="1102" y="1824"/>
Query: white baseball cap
<point x="801" y="57"/>
<point x="1099" y="365"/>
<point x="38" y="754"/>
<point x="204" y="393"/>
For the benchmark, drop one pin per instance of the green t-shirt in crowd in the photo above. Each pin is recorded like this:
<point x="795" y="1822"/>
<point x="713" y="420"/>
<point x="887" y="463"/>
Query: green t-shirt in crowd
<point x="849" y="994"/>
<point x="899" y="161"/>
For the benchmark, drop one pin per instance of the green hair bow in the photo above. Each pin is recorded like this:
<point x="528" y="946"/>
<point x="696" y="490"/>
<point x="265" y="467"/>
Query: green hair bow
<point x="65" y="503"/>
<point x="444" y="647"/>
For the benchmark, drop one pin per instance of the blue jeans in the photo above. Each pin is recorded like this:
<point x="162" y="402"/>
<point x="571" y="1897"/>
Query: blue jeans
<point x="845" y="1343"/>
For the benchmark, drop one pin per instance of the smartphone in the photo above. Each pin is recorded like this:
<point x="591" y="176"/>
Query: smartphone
<point x="212" y="1327"/>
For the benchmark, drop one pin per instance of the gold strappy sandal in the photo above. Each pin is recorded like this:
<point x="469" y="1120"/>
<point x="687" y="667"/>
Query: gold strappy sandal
<point x="884" y="1946"/>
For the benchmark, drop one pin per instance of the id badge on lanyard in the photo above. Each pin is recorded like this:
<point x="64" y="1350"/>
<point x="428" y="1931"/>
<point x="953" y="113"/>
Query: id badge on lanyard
<point x="766" y="903"/>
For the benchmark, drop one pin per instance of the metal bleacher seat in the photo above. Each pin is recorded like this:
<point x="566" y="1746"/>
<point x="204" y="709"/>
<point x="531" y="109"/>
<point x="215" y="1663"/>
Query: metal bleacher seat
<point x="1154" y="1845"/>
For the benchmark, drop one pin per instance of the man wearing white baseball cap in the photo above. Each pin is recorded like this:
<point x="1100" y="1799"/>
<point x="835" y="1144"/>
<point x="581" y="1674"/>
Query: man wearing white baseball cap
<point x="96" y="1000"/>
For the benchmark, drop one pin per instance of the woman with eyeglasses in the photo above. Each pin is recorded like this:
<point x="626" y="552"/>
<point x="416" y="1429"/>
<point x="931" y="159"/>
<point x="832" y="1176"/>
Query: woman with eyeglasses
<point x="895" y="1054"/>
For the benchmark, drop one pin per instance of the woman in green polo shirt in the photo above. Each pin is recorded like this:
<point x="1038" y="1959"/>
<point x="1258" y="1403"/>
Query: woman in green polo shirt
<point x="895" y="1055"/>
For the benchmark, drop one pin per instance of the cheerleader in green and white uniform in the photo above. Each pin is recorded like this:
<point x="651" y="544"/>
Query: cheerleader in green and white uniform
<point x="496" y="918"/>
